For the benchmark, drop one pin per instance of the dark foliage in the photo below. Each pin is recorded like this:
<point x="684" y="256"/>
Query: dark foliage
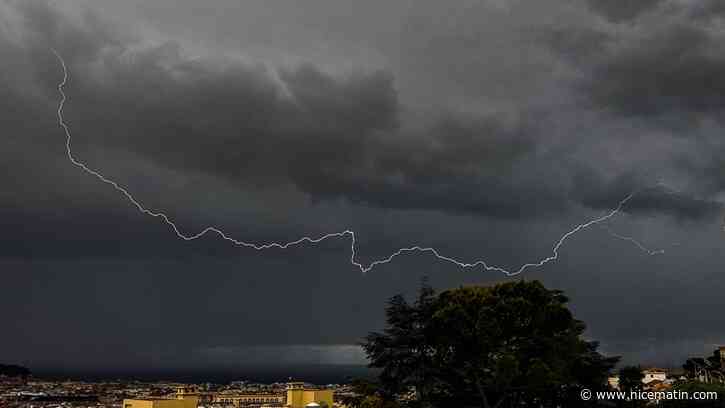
<point x="512" y="344"/>
<point x="13" y="371"/>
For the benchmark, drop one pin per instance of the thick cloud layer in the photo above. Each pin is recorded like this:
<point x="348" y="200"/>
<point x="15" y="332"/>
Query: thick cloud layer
<point x="485" y="140"/>
<point x="620" y="11"/>
<point x="336" y="136"/>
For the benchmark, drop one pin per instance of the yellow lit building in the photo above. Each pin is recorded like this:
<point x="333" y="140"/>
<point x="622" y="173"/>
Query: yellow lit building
<point x="191" y="391"/>
<point x="187" y="402"/>
<point x="241" y="400"/>
<point x="297" y="396"/>
<point x="300" y="397"/>
<point x="186" y="397"/>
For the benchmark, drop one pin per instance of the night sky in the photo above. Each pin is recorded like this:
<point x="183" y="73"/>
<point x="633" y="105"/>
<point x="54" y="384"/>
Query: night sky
<point x="486" y="129"/>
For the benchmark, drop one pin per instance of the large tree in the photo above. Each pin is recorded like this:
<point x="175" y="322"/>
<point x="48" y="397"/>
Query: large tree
<point x="404" y="351"/>
<point x="513" y="343"/>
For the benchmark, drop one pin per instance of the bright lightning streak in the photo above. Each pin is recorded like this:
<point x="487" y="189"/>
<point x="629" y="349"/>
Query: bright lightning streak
<point x="636" y="243"/>
<point x="362" y="267"/>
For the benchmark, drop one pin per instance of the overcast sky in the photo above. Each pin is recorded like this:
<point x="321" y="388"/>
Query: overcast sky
<point x="486" y="129"/>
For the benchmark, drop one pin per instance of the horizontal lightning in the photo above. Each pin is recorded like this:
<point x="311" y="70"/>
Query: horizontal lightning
<point x="362" y="267"/>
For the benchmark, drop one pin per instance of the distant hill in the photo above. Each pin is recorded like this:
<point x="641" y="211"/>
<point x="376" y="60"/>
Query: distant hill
<point x="13" y="371"/>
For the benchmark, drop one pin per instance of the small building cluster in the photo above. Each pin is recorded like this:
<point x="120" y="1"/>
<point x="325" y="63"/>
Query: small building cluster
<point x="655" y="379"/>
<point x="296" y="395"/>
<point x="710" y="370"/>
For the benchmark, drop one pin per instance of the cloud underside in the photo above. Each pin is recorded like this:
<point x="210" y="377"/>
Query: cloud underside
<point x="349" y="136"/>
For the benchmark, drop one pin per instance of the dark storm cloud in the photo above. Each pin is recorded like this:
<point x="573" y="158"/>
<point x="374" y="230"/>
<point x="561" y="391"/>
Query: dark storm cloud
<point x="328" y="135"/>
<point x="346" y="136"/>
<point x="261" y="127"/>
<point x="576" y="44"/>
<point x="649" y="199"/>
<point x="660" y="75"/>
<point x="622" y="10"/>
<point x="667" y="66"/>
<point x="707" y="165"/>
<point x="456" y="164"/>
<point x="707" y="9"/>
<point x="668" y="62"/>
<point x="673" y="70"/>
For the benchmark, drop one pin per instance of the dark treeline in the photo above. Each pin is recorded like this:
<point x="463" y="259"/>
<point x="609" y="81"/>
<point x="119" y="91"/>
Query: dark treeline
<point x="9" y="370"/>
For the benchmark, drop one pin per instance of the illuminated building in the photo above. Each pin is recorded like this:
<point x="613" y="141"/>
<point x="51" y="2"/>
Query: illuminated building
<point x="243" y="399"/>
<point x="298" y="396"/>
<point x="185" y="401"/>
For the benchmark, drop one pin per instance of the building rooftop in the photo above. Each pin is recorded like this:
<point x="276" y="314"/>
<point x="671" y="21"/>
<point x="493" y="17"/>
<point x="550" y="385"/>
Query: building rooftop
<point x="151" y="398"/>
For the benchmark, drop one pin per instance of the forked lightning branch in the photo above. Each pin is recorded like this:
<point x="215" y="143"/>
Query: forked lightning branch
<point x="478" y="264"/>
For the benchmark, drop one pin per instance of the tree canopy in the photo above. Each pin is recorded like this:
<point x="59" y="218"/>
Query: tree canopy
<point x="514" y="343"/>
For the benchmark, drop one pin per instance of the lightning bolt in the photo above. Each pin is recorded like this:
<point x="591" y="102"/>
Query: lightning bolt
<point x="636" y="243"/>
<point x="314" y="240"/>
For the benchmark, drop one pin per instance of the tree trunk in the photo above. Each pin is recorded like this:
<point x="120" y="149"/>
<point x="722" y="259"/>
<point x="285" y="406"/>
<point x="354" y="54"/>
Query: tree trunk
<point x="500" y="401"/>
<point x="482" y="393"/>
